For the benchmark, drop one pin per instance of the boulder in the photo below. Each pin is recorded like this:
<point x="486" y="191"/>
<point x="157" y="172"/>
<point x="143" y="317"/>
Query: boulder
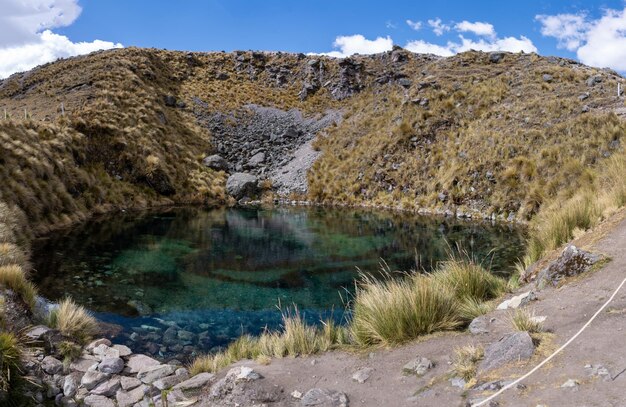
<point x="167" y="382"/>
<point x="418" y="366"/>
<point x="107" y="388"/>
<point x="92" y="378"/>
<point x="35" y="333"/>
<point x="123" y="350"/>
<point x="517" y="301"/>
<point x="152" y="373"/>
<point x="256" y="160"/>
<point x="215" y="162"/>
<point x="512" y="347"/>
<point x="84" y="363"/>
<point x="496" y="57"/>
<point x="137" y="363"/>
<point x="129" y="398"/>
<point x="94" y="344"/>
<point x="103" y="351"/>
<point x="111" y="365"/>
<point x="97" y="401"/>
<point x="571" y="262"/>
<point x="547" y="77"/>
<point x="242" y="184"/>
<point x="51" y="365"/>
<point x="129" y="383"/>
<point x="593" y="80"/>
<point x="70" y="386"/>
<point x="196" y="382"/>
<point x="480" y="325"/>
<point x="324" y="398"/>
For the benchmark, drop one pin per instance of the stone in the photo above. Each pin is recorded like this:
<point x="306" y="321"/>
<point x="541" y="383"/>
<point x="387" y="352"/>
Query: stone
<point x="196" y="382"/>
<point x="186" y="336"/>
<point x="362" y="375"/>
<point x="496" y="57"/>
<point x="324" y="398"/>
<point x="35" y="333"/>
<point x="585" y="109"/>
<point x="418" y="366"/>
<point x="511" y="347"/>
<point x="296" y="394"/>
<point x="129" y="383"/>
<point x="571" y="262"/>
<point x="170" y="101"/>
<point x="107" y="388"/>
<point x="256" y="160"/>
<point x="94" y="344"/>
<point x="242" y="184"/>
<point x="84" y="363"/>
<point x="70" y="386"/>
<point x="583" y="96"/>
<point x="98" y="401"/>
<point x="92" y="378"/>
<point x="139" y="362"/>
<point x="244" y="373"/>
<point x="518" y="301"/>
<point x="570" y="384"/>
<point x="547" y="77"/>
<point x="480" y="325"/>
<point x="103" y="351"/>
<point x="458" y="382"/>
<point x="404" y="82"/>
<point x="152" y="373"/>
<point x="182" y="372"/>
<point x="51" y="365"/>
<point x="129" y="398"/>
<point x="167" y="382"/>
<point x="593" y="80"/>
<point x="215" y="162"/>
<point x="111" y="365"/>
<point x="123" y="350"/>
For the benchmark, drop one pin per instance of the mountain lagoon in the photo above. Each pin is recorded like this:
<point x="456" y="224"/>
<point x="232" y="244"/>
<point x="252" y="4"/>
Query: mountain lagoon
<point x="189" y="280"/>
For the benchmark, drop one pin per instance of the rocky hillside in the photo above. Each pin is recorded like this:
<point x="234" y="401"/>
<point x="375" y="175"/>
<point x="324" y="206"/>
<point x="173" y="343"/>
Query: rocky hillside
<point x="491" y="134"/>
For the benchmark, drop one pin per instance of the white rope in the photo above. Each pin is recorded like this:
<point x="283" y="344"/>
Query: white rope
<point x="546" y="360"/>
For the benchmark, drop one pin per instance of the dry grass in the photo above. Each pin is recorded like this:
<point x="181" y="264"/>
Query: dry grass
<point x="465" y="361"/>
<point x="11" y="350"/>
<point x="523" y="319"/>
<point x="74" y="321"/>
<point x="297" y="338"/>
<point x="14" y="278"/>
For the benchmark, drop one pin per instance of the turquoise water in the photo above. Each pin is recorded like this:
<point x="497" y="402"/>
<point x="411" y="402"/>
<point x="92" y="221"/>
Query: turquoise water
<point x="215" y="274"/>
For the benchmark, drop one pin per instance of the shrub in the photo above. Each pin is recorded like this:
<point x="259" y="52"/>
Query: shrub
<point x="394" y="311"/>
<point x="525" y="320"/>
<point x="14" y="278"/>
<point x="467" y="279"/>
<point x="10" y="362"/>
<point x="74" y="321"/>
<point x="465" y="361"/>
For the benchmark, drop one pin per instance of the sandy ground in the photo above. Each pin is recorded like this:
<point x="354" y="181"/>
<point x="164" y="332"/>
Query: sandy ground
<point x="567" y="309"/>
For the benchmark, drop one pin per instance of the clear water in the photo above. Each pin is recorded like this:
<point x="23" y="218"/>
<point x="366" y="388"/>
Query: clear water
<point x="215" y="274"/>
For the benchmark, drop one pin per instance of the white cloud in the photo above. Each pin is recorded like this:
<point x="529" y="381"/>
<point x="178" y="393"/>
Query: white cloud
<point x="416" y="25"/>
<point x="600" y="42"/>
<point x="478" y="28"/>
<point x="358" y="44"/>
<point x="569" y="29"/>
<point x="26" y="39"/>
<point x="510" y="44"/>
<point x="423" y="47"/>
<point x="438" y="27"/>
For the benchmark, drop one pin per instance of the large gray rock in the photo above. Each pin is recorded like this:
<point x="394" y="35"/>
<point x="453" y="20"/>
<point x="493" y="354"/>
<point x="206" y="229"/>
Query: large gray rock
<point x="571" y="262"/>
<point x="196" y="382"/>
<point x="129" y="398"/>
<point x="129" y="383"/>
<point x="70" y="386"/>
<point x="256" y="160"/>
<point x="92" y="378"/>
<point x="480" y="325"/>
<point x="167" y="382"/>
<point x="107" y="388"/>
<point x="123" y="350"/>
<point x="84" y="363"/>
<point x="98" y="401"/>
<point x="140" y="362"/>
<point x="241" y="184"/>
<point x="324" y="398"/>
<point x="35" y="333"/>
<point x="418" y="366"/>
<point x="111" y="365"/>
<point x="512" y="347"/>
<point x="215" y="162"/>
<point x="152" y="373"/>
<point x="495" y="57"/>
<point x="51" y="365"/>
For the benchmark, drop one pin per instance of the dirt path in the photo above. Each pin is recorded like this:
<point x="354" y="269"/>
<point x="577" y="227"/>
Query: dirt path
<point x="567" y="308"/>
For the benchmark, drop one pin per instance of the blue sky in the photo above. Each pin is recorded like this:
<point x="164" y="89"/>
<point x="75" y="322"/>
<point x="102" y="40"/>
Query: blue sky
<point x="54" y="28"/>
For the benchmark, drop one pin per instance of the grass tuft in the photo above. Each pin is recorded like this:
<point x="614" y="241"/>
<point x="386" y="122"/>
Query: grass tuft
<point x="14" y="278"/>
<point x="11" y="351"/>
<point x="465" y="361"/>
<point x="524" y="320"/>
<point x="74" y="321"/>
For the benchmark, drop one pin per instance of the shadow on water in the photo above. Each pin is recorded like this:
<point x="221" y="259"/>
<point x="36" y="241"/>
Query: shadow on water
<point x="188" y="280"/>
